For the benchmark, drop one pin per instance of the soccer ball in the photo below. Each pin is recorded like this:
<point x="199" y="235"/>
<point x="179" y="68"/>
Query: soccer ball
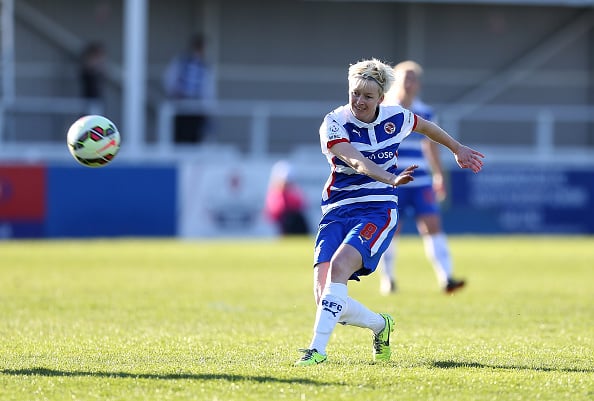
<point x="93" y="140"/>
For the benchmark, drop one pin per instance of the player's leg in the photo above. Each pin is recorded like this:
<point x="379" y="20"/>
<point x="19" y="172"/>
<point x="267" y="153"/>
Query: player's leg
<point x="319" y="281"/>
<point x="436" y="248"/>
<point x="360" y="251"/>
<point x="329" y="239"/>
<point x="388" y="281"/>
<point x="388" y="266"/>
<point x="428" y="219"/>
<point x="355" y="313"/>
<point x="387" y="273"/>
<point x="438" y="252"/>
<point x="332" y="301"/>
<point x="381" y="324"/>
<point x="372" y="238"/>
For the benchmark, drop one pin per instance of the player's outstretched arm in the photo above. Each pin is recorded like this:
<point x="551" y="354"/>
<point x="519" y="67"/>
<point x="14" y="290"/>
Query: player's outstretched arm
<point x="465" y="157"/>
<point x="469" y="158"/>
<point x="362" y="165"/>
<point x="406" y="175"/>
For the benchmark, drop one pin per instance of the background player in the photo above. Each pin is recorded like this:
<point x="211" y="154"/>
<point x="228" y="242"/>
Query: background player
<point x="419" y="198"/>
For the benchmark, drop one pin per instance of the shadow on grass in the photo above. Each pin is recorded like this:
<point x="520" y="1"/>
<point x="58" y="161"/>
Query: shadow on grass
<point x="38" y="371"/>
<point x="454" y="365"/>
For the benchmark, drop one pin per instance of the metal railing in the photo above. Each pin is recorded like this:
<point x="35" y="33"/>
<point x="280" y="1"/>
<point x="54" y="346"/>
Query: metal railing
<point x="258" y="112"/>
<point x="545" y="146"/>
<point x="543" y="119"/>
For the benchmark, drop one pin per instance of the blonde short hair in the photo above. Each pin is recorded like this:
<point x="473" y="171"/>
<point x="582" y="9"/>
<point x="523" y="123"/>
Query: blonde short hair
<point x="372" y="70"/>
<point x="408" y="65"/>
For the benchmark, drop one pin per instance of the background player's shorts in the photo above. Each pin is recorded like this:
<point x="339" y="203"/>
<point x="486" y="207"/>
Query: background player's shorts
<point x="417" y="200"/>
<point x="368" y="227"/>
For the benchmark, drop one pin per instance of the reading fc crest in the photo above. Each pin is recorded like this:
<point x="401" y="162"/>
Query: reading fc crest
<point x="389" y="127"/>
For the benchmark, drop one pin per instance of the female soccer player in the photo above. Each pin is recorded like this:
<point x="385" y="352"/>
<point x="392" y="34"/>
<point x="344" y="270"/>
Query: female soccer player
<point x="422" y="197"/>
<point x="359" y="202"/>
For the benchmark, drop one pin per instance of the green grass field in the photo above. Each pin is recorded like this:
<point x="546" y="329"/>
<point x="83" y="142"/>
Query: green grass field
<point x="213" y="320"/>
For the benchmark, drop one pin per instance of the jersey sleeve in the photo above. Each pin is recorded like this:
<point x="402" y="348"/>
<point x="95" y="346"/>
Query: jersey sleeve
<point x="331" y="133"/>
<point x="410" y="121"/>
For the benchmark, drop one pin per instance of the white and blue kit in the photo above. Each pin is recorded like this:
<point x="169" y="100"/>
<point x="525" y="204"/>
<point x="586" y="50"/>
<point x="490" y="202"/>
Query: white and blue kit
<point x="417" y="197"/>
<point x="357" y="209"/>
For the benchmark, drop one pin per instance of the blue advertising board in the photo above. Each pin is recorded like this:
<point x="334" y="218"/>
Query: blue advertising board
<point x="521" y="199"/>
<point x="111" y="201"/>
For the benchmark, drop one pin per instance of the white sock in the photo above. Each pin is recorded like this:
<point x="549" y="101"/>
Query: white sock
<point x="357" y="314"/>
<point x="330" y="308"/>
<point x="438" y="252"/>
<point x="388" y="261"/>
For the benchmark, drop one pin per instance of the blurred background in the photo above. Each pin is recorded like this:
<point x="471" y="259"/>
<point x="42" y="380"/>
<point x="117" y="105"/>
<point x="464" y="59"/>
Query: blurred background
<point x="514" y="79"/>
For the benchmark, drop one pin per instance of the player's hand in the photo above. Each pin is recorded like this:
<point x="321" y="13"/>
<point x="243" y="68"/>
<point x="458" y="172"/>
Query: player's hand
<point x="469" y="158"/>
<point x="405" y="176"/>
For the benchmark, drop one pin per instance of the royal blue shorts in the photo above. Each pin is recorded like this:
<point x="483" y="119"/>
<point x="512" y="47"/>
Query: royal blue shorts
<point x="415" y="201"/>
<point x="368" y="227"/>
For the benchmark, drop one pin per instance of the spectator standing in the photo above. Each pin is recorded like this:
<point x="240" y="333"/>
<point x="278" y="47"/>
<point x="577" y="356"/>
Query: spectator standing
<point x="92" y="73"/>
<point x="188" y="76"/>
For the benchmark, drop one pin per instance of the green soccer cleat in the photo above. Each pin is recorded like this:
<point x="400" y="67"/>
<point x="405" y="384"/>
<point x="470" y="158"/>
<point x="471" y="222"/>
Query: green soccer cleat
<point x="311" y="357"/>
<point x="381" y="341"/>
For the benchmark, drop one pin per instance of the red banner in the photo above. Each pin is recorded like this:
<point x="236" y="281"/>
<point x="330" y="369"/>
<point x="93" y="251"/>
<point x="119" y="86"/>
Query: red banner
<point x="22" y="193"/>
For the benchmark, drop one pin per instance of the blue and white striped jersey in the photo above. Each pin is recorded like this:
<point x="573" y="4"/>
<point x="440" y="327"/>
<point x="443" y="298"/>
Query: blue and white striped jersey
<point x="411" y="151"/>
<point x="378" y="141"/>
